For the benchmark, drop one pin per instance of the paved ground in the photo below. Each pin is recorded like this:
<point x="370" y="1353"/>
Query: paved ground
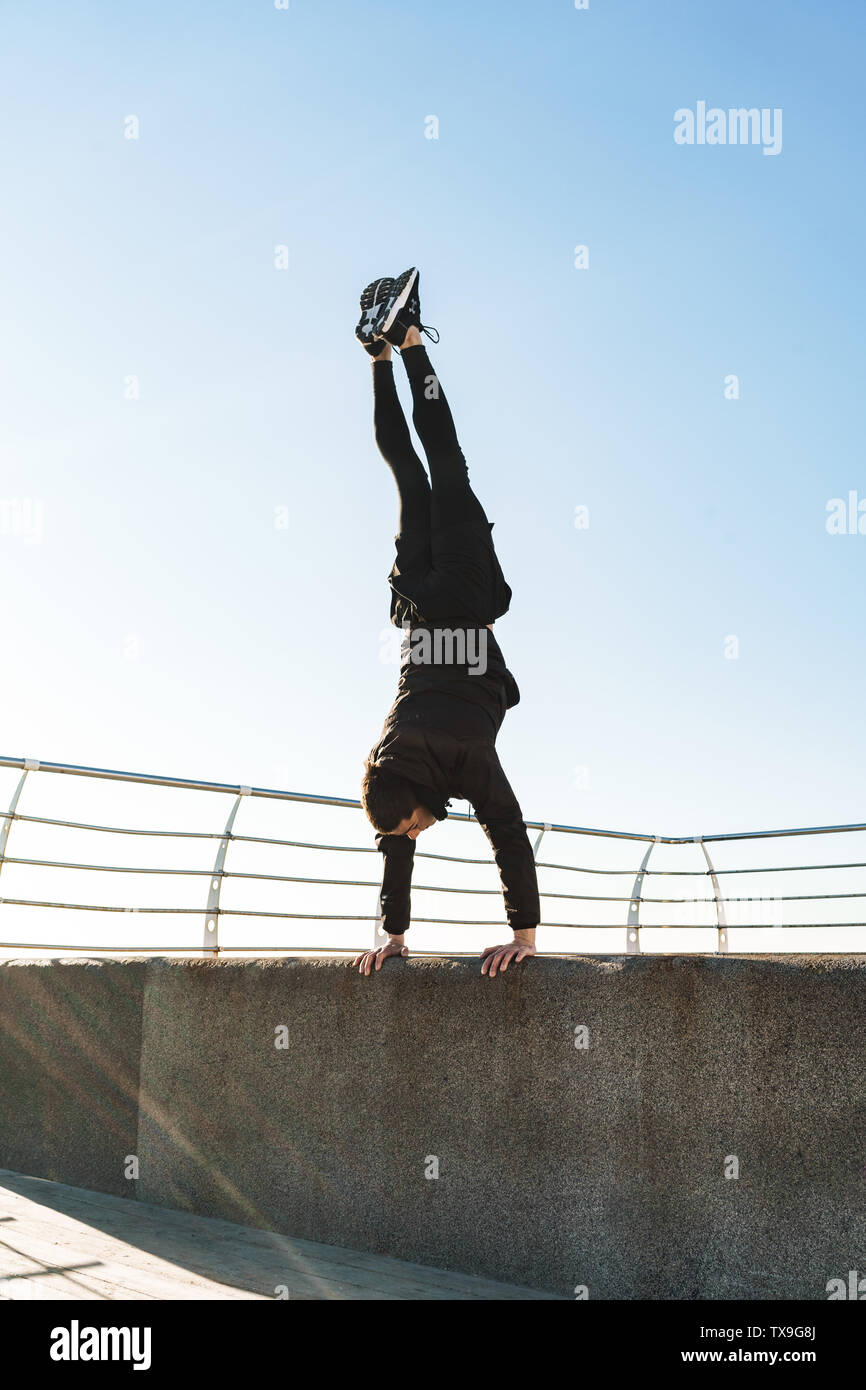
<point x="59" y="1242"/>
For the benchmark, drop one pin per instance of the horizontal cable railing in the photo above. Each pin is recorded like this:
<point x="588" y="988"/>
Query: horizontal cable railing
<point x="213" y="910"/>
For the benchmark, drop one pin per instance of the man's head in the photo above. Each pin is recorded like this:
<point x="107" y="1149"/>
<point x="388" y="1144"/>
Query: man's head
<point x="391" y="804"/>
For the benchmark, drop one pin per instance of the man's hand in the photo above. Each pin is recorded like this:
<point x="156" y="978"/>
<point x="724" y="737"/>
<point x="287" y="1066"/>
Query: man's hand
<point x="366" y="959"/>
<point x="498" y="957"/>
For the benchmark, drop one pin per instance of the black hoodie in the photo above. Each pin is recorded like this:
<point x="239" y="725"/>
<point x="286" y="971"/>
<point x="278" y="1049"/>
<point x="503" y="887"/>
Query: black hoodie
<point x="440" y="735"/>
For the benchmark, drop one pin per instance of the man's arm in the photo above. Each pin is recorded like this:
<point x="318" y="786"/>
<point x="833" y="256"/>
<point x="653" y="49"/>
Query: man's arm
<point x="513" y="855"/>
<point x="398" y="854"/>
<point x="501" y="819"/>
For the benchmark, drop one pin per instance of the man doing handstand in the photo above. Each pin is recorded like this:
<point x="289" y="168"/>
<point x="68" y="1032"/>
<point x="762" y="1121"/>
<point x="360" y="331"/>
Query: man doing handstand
<point x="447" y="590"/>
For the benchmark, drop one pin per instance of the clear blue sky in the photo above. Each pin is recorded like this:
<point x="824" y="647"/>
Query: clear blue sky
<point x="163" y="622"/>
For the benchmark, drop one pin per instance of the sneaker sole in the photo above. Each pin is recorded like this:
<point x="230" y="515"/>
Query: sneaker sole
<point x="368" y="302"/>
<point x="405" y="284"/>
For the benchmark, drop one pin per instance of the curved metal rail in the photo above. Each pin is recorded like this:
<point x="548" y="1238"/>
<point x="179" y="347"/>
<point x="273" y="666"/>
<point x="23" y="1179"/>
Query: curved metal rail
<point x="212" y="910"/>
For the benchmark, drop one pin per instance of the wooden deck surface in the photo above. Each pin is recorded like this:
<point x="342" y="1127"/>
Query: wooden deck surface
<point x="60" y="1242"/>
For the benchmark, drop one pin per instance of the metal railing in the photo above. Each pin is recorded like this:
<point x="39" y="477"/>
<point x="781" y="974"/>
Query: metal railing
<point x="212" y="910"/>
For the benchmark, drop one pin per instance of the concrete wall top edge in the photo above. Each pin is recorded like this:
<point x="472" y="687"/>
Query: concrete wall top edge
<point x="549" y="966"/>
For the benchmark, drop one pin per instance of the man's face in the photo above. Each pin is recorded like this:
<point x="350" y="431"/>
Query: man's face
<point x="420" y="820"/>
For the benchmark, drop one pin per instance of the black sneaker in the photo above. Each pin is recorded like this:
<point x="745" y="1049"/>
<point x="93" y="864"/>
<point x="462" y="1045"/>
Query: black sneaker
<point x="403" y="310"/>
<point x="374" y="300"/>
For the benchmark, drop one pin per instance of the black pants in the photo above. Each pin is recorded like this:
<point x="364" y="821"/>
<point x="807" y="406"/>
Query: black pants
<point x="446" y="566"/>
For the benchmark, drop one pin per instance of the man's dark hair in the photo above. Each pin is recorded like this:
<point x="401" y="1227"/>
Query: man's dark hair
<point x="387" y="798"/>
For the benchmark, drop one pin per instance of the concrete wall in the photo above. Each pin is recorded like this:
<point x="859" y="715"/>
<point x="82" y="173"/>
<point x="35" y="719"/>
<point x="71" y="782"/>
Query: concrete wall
<point x="558" y="1166"/>
<point x="70" y="1047"/>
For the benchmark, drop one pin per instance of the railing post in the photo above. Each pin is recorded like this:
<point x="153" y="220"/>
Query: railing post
<point x="539" y="837"/>
<point x="378" y="930"/>
<point x="536" y="847"/>
<point x="721" y="920"/>
<point x="632" y="936"/>
<point x="30" y="765"/>
<point x="211" y="944"/>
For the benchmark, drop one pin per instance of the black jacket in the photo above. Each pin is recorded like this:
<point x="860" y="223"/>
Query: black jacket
<point x="440" y="735"/>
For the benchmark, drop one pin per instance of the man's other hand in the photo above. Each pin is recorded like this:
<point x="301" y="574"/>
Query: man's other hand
<point x="366" y="960"/>
<point x="498" y="957"/>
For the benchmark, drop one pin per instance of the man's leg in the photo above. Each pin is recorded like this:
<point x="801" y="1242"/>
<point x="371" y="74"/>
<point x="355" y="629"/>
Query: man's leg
<point x="452" y="497"/>
<point x="395" y="445"/>
<point x="469" y="577"/>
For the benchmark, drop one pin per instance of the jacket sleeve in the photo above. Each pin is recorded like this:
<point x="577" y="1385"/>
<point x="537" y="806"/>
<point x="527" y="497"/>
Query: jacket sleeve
<point x="500" y="817"/>
<point x="398" y="853"/>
